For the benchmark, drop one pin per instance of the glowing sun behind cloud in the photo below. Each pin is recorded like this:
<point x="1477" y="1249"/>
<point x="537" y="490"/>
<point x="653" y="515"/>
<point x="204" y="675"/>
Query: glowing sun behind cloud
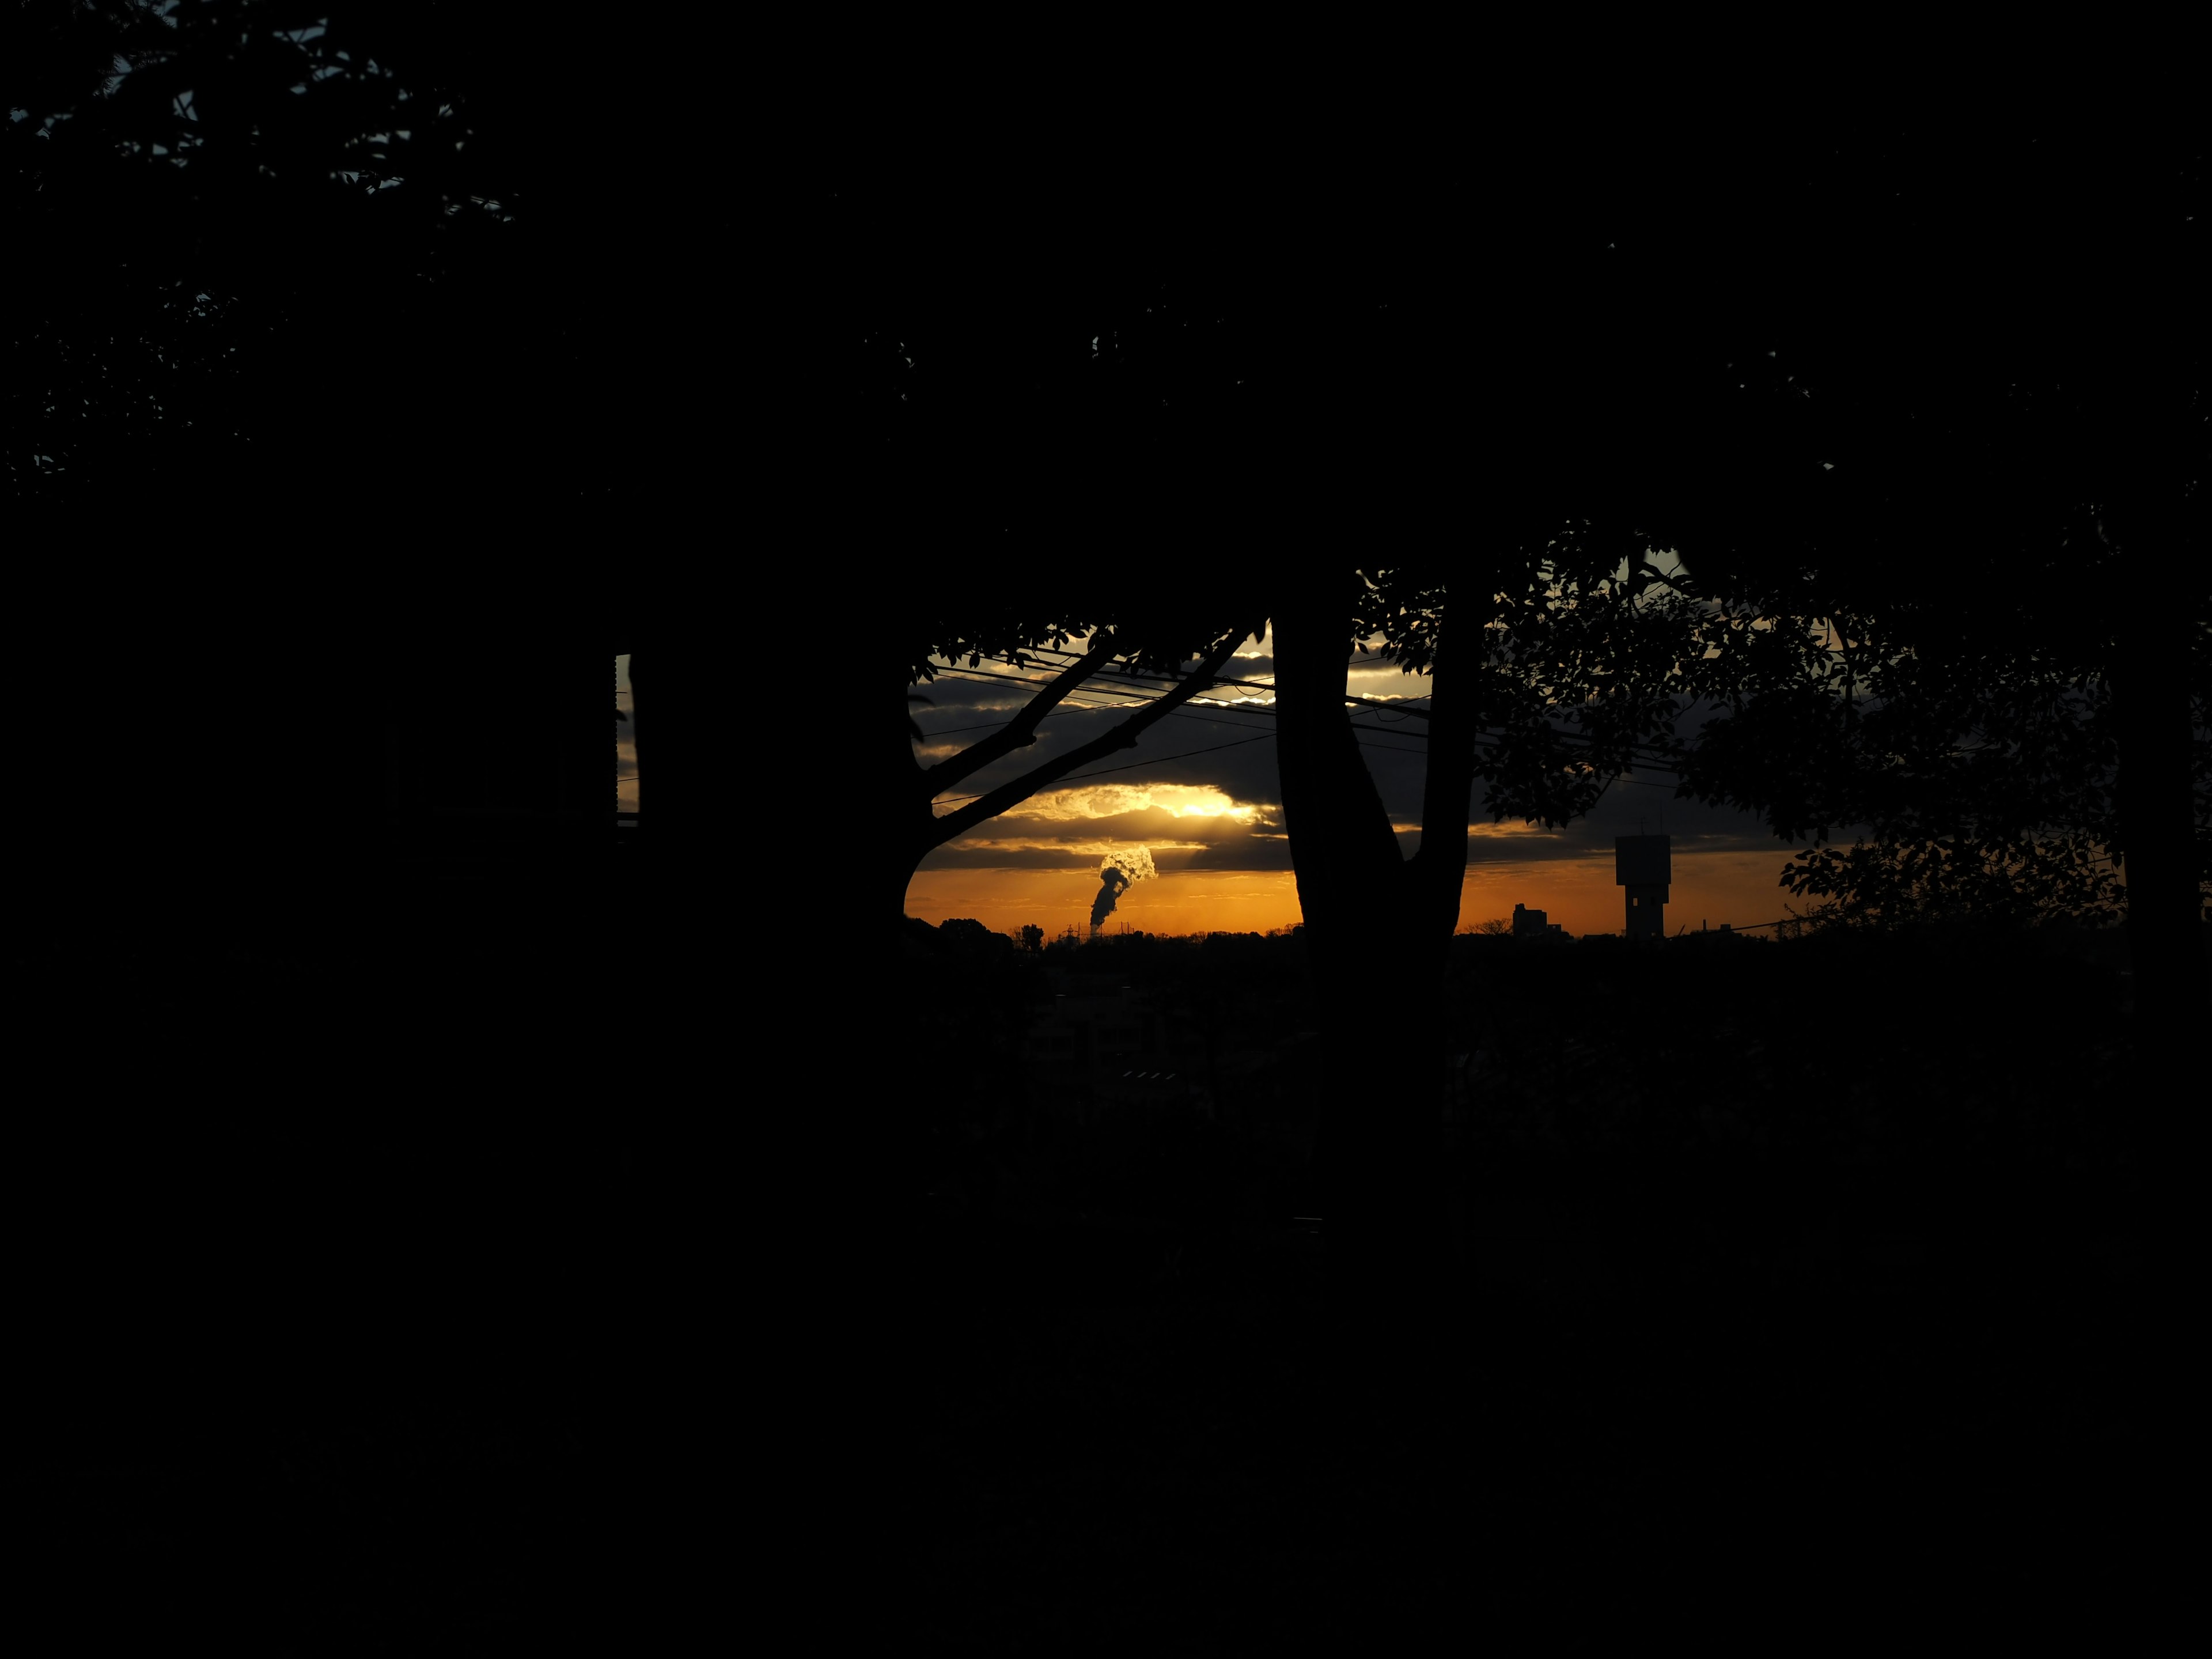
<point x="1111" y="800"/>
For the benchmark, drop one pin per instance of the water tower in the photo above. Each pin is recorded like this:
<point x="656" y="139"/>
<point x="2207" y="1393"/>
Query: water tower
<point x="1643" y="866"/>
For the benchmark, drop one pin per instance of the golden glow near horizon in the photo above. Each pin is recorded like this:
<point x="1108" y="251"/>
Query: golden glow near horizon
<point x="1739" y="888"/>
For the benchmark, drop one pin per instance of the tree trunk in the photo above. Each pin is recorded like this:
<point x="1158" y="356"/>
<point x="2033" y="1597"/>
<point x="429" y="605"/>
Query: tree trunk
<point x="2165" y="932"/>
<point x="908" y="859"/>
<point x="2155" y="798"/>
<point x="911" y="837"/>
<point x="1382" y="1066"/>
<point x="2156" y="808"/>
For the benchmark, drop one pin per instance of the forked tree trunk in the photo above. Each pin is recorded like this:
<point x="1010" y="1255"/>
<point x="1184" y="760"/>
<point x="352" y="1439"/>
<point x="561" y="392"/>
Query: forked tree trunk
<point x="2165" y="930"/>
<point x="910" y="839"/>
<point x="1377" y="927"/>
<point x="2156" y="803"/>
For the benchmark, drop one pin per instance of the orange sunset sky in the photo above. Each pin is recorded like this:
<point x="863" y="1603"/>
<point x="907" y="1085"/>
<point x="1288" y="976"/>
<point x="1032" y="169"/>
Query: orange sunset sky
<point x="1211" y="821"/>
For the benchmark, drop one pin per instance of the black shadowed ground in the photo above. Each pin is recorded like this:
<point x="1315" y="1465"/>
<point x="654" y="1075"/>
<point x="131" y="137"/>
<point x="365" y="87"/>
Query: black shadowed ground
<point x="340" y="1290"/>
<point x="1737" y="1311"/>
<point x="1742" y="1311"/>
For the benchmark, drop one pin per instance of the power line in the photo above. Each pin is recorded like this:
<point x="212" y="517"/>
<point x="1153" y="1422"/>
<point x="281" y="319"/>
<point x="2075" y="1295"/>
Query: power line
<point x="1186" y="713"/>
<point x="993" y="725"/>
<point x="1131" y="767"/>
<point x="1132" y="673"/>
<point x="1091" y="686"/>
<point x="1173" y="713"/>
<point x="955" y="731"/>
<point x="1272" y="710"/>
<point x="1146" y="694"/>
<point x="1401" y="707"/>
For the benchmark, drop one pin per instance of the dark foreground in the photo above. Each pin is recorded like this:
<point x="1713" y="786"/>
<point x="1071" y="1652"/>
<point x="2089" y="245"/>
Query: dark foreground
<point x="1236" y="1455"/>
<point x="403" y="1339"/>
<point x="1792" y="1289"/>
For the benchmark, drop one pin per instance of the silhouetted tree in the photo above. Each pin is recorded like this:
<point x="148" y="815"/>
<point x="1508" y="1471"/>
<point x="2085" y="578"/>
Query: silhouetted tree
<point x="1822" y="499"/>
<point x="1310" y="416"/>
<point x="1481" y="459"/>
<point x="233" y="203"/>
<point x="1486" y="529"/>
<point x="1955" y="603"/>
<point x="1547" y="676"/>
<point x="1092" y="442"/>
<point x="370" y="260"/>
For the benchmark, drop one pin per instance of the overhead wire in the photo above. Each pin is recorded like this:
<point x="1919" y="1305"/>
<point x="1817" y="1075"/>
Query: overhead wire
<point x="1400" y="703"/>
<point x="1162" y="760"/>
<point x="1203" y="712"/>
<point x="1270" y="710"/>
<point x="956" y="800"/>
<point x="1402" y="707"/>
<point x="1131" y="766"/>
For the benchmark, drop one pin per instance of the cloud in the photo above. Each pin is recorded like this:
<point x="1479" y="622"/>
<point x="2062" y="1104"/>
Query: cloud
<point x="1201" y="790"/>
<point x="1175" y="800"/>
<point x="1022" y="839"/>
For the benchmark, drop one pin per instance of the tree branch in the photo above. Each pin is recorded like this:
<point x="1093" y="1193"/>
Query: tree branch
<point x="987" y="806"/>
<point x="1021" y="731"/>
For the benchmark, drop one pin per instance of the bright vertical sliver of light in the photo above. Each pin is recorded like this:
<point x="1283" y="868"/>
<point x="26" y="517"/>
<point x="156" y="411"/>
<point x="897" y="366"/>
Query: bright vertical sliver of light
<point x="625" y="740"/>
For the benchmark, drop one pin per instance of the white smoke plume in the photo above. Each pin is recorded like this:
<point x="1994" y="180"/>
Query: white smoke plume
<point x="1123" y="869"/>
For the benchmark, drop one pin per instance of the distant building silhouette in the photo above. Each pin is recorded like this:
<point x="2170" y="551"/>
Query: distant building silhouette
<point x="1532" y="924"/>
<point x="970" y="937"/>
<point x="1645" y="865"/>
